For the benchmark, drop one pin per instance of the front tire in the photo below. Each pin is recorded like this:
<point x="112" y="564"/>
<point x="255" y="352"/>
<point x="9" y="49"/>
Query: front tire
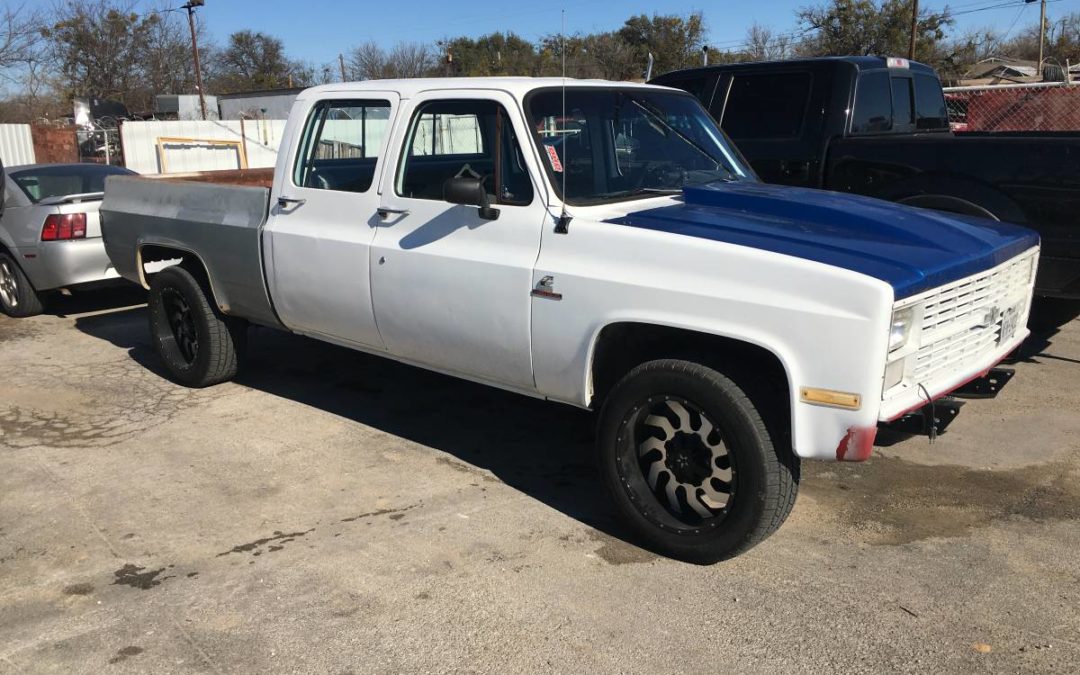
<point x="199" y="345"/>
<point x="18" y="298"/>
<point x="691" y="464"/>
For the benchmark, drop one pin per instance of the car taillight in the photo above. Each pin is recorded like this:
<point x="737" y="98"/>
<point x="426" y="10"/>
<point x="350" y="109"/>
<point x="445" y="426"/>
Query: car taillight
<point x="62" y="226"/>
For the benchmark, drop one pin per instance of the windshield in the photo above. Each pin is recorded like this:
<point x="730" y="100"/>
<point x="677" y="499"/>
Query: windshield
<point x="615" y="144"/>
<point x="61" y="180"/>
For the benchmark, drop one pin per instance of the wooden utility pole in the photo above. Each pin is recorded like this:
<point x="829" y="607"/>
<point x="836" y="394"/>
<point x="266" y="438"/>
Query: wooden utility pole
<point x="341" y="63"/>
<point x="190" y="7"/>
<point x="1042" y="35"/>
<point x="914" y="28"/>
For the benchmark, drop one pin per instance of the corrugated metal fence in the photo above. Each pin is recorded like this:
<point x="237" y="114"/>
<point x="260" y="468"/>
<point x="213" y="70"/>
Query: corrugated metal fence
<point x="16" y="144"/>
<point x="180" y="146"/>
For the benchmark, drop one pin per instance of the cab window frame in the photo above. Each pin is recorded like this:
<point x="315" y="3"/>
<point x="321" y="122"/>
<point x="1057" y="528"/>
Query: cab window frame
<point x="314" y="129"/>
<point x="489" y="147"/>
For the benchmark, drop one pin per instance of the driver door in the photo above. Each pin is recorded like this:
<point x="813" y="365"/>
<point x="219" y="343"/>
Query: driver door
<point x="450" y="288"/>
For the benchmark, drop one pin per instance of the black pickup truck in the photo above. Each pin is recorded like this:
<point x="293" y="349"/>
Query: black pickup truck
<point x="879" y="127"/>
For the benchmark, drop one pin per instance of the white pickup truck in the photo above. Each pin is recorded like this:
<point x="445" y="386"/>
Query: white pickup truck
<point x="593" y="243"/>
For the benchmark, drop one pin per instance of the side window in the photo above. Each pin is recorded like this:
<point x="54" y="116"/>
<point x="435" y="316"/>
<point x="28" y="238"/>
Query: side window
<point x="699" y="86"/>
<point x="766" y="106"/>
<point x="930" y="110"/>
<point x="902" y="102"/>
<point x="340" y="145"/>
<point x="873" y="104"/>
<point x="463" y="138"/>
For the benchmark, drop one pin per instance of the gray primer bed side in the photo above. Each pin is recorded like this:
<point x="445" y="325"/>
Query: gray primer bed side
<point x="220" y="224"/>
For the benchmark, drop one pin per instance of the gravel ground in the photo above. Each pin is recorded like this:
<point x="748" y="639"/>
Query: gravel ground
<point x="333" y="512"/>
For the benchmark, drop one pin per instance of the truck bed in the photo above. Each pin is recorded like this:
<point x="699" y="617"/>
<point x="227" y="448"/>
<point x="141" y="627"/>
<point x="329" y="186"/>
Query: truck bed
<point x="217" y="218"/>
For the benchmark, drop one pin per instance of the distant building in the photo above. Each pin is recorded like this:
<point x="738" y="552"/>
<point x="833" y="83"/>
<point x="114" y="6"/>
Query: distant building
<point x="269" y="104"/>
<point x="1000" y="70"/>
<point x="184" y="107"/>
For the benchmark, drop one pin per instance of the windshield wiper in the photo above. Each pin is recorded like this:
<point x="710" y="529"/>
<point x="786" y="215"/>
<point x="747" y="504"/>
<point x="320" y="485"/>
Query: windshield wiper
<point x="657" y="114"/>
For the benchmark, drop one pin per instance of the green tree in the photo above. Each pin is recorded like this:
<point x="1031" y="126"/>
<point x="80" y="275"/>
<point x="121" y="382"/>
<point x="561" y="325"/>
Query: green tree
<point x="493" y="54"/>
<point x="254" y="60"/>
<point x="871" y="27"/>
<point x="674" y="41"/>
<point x="98" y="48"/>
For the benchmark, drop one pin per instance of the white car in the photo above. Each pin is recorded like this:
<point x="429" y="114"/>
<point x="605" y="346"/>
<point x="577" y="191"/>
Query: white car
<point x="600" y="245"/>
<point x="50" y="237"/>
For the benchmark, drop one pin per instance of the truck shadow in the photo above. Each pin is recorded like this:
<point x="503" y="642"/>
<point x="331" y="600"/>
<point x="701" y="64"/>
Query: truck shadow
<point x="541" y="449"/>
<point x="111" y="297"/>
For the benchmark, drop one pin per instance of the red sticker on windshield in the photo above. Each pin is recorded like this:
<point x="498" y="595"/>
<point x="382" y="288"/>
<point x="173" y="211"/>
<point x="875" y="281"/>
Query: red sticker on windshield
<point x="553" y="157"/>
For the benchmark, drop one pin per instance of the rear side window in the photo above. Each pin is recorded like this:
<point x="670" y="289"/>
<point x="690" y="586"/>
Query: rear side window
<point x="698" y="86"/>
<point x="766" y="106"/>
<point x="902" y="102"/>
<point x="464" y="138"/>
<point x="930" y="110"/>
<point x="341" y="145"/>
<point x="873" y="104"/>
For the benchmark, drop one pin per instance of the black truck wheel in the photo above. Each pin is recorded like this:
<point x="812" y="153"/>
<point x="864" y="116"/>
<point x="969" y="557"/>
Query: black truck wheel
<point x="199" y="345"/>
<point x="17" y="295"/>
<point x="691" y="464"/>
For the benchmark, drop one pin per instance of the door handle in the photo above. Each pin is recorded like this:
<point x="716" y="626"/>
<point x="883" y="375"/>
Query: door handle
<point x="385" y="213"/>
<point x="283" y="202"/>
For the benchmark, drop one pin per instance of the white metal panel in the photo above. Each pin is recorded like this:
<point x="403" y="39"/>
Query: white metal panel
<point x="140" y="142"/>
<point x="16" y="144"/>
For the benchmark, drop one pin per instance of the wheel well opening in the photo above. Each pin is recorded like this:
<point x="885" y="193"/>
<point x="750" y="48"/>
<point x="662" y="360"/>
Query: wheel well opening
<point x="154" y="258"/>
<point x="622" y="346"/>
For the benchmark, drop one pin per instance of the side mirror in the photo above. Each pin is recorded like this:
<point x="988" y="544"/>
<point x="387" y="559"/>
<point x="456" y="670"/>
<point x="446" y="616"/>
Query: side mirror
<point x="470" y="192"/>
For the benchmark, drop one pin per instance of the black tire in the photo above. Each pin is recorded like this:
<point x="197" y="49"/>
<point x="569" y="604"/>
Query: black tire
<point x="18" y="297"/>
<point x="199" y="345"/>
<point x="762" y="474"/>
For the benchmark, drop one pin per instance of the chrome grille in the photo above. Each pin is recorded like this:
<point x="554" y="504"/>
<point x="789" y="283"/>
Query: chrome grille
<point x="962" y="320"/>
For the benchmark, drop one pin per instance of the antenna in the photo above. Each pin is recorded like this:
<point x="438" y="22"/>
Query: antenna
<point x="562" y="225"/>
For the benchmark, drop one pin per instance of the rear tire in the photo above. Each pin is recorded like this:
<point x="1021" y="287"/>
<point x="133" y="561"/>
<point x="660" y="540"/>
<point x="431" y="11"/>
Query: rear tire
<point x="691" y="464"/>
<point x="18" y="298"/>
<point x="199" y="345"/>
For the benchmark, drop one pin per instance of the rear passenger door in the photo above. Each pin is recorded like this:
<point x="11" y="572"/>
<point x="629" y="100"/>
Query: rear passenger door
<point x="322" y="221"/>
<point x="775" y="122"/>
<point x="451" y="289"/>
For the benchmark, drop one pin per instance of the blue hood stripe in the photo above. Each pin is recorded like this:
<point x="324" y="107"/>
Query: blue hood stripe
<point x="913" y="250"/>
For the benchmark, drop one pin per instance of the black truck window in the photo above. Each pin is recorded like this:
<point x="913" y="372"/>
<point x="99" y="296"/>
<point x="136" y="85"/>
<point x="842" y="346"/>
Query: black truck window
<point x="873" y="104"/>
<point x="766" y="106"/>
<point x="930" y="109"/>
<point x="902" y="103"/>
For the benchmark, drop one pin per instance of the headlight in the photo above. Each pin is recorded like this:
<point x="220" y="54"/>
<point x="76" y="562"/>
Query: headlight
<point x="900" y="330"/>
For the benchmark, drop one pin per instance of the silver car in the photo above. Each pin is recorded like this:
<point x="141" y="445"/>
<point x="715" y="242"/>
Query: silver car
<point x="50" y="235"/>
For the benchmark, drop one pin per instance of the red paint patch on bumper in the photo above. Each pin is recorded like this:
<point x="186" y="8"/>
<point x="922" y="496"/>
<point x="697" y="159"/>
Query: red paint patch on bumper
<point x="856" y="445"/>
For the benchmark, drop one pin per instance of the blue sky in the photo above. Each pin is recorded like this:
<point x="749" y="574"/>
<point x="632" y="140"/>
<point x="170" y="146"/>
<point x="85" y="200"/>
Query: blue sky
<point x="317" y="30"/>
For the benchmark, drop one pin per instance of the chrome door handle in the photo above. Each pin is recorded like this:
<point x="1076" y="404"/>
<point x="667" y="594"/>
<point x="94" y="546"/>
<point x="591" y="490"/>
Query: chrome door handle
<point x="385" y="213"/>
<point x="284" y="202"/>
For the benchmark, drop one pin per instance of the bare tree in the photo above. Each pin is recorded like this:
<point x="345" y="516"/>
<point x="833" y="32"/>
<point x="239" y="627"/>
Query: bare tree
<point x="763" y="44"/>
<point x="369" y="61"/>
<point x="20" y="37"/>
<point x="411" y="59"/>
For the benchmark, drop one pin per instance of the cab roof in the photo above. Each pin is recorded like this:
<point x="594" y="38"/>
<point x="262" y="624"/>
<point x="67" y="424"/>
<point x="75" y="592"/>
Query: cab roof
<point x="860" y="63"/>
<point x="517" y="86"/>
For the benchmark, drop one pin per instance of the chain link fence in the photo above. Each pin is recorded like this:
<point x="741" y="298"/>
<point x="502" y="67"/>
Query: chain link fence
<point x="1050" y="106"/>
